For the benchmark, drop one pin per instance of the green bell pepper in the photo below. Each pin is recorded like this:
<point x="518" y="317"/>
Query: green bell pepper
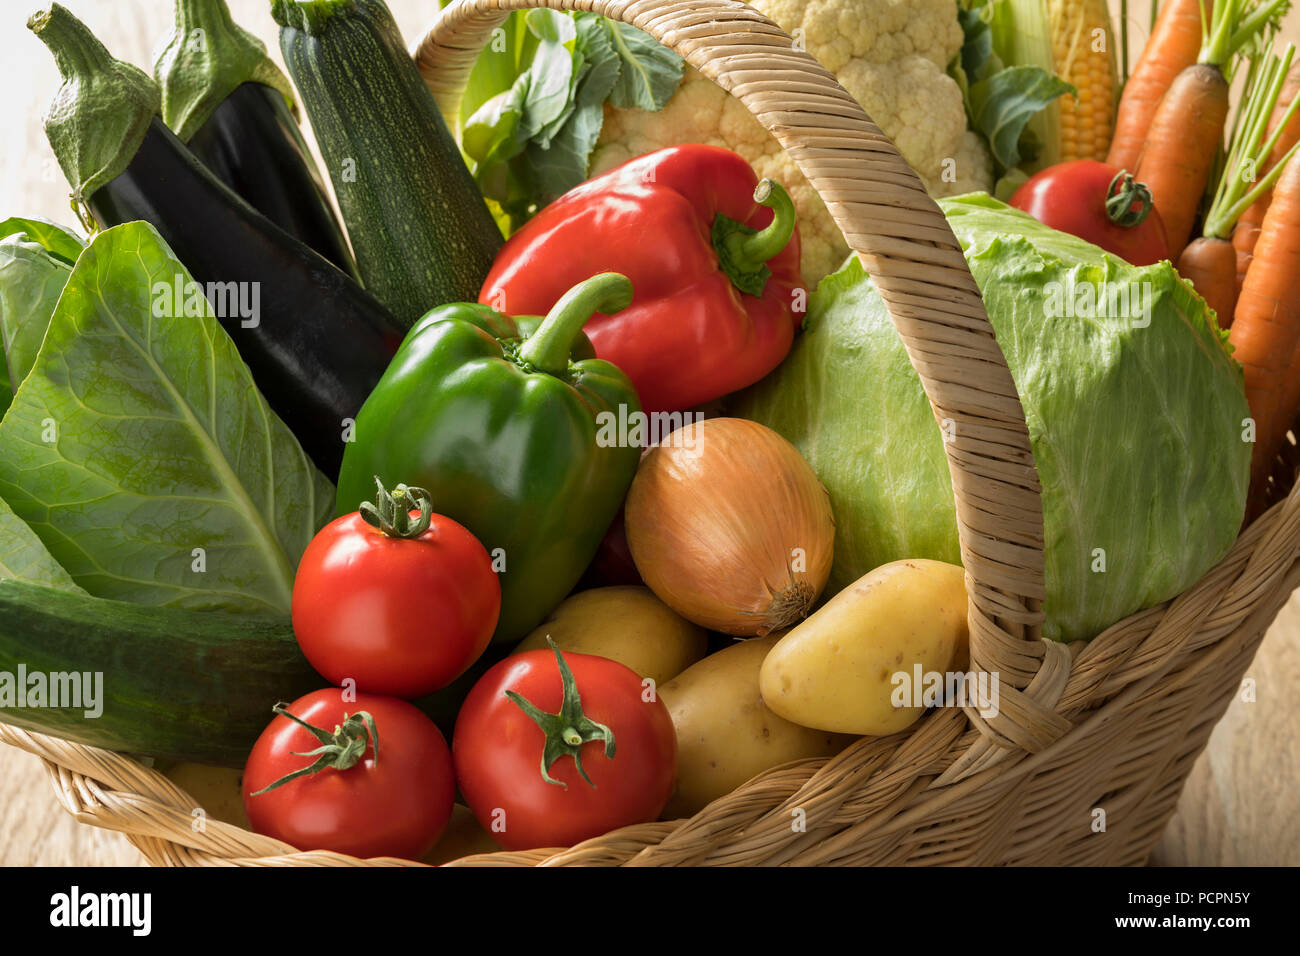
<point x="500" y="424"/>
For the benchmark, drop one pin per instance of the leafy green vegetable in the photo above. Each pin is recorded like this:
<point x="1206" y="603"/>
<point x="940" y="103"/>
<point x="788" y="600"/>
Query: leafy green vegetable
<point x="1003" y="104"/>
<point x="59" y="242"/>
<point x="142" y="455"/>
<point x="24" y="558"/>
<point x="650" y="71"/>
<point x="534" y="105"/>
<point x="1006" y="73"/>
<point x="35" y="259"/>
<point x="1135" y="412"/>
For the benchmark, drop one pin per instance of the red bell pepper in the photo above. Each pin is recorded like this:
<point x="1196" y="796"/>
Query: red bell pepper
<point x="714" y="270"/>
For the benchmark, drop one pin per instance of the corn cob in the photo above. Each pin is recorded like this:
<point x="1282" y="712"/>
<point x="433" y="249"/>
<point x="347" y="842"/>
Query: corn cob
<point x="1083" y="47"/>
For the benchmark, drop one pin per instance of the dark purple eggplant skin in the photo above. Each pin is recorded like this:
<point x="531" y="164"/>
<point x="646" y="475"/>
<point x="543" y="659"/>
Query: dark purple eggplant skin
<point x="321" y="343"/>
<point x="252" y="143"/>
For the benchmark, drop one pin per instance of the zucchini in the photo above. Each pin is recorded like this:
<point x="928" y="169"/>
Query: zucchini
<point x="420" y="230"/>
<point x="184" y="685"/>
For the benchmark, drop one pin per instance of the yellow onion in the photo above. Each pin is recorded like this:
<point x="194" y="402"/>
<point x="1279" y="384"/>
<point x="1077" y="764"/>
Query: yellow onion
<point x="729" y="526"/>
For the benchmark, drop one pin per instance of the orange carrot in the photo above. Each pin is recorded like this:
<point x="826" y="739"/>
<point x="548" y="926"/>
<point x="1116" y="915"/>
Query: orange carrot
<point x="1180" y="147"/>
<point x="1266" y="330"/>
<point x="1174" y="45"/>
<point x="1210" y="264"/>
<point x="1246" y="233"/>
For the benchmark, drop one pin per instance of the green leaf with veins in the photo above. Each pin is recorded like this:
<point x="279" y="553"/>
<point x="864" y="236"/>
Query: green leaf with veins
<point x="36" y="257"/>
<point x="136" y="439"/>
<point x="650" y="72"/>
<point x="24" y="558"/>
<point x="554" y="170"/>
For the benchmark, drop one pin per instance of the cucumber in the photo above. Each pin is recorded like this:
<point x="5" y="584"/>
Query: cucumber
<point x="420" y="230"/>
<point x="185" y="685"/>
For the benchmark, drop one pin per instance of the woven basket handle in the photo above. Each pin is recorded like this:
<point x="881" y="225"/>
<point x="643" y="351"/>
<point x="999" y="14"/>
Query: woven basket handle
<point x="906" y="244"/>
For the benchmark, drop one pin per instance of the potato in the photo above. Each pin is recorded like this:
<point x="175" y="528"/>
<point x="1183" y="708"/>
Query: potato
<point x="626" y="624"/>
<point x="835" y="671"/>
<point x="725" y="735"/>
<point x="215" y="789"/>
<point x="463" y="837"/>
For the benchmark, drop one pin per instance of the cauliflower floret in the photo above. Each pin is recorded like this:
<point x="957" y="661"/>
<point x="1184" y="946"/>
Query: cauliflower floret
<point x="891" y="56"/>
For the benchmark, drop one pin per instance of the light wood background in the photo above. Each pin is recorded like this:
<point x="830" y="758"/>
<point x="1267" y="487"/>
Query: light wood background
<point x="1240" y="805"/>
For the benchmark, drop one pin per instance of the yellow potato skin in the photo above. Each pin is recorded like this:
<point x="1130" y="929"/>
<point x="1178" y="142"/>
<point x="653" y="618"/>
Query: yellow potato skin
<point x="215" y="789"/>
<point x="725" y="734"/>
<point x="834" y="671"/>
<point x="626" y="624"/>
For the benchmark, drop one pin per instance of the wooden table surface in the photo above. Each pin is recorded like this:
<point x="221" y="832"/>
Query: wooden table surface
<point x="1240" y="805"/>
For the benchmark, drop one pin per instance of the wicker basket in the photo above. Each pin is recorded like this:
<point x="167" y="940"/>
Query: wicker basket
<point x="1115" y="724"/>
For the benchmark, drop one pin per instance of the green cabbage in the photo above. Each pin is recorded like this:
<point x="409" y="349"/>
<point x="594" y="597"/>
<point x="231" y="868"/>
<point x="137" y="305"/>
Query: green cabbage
<point x="1136" y="416"/>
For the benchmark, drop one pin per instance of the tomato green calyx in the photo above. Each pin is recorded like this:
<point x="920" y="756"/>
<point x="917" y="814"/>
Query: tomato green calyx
<point x="1128" y="202"/>
<point x="341" y="750"/>
<point x="391" y="511"/>
<point x="743" y="252"/>
<point x="548" y="348"/>
<point x="567" y="731"/>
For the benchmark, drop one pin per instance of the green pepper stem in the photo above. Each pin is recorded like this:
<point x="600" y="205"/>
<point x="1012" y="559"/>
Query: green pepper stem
<point x="391" y="511"/>
<point x="205" y="59"/>
<point x="101" y="112"/>
<point x="547" y="349"/>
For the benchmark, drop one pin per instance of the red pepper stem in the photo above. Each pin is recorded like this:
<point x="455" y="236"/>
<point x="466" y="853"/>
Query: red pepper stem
<point x="743" y="252"/>
<point x="547" y="349"/>
<point x="767" y="243"/>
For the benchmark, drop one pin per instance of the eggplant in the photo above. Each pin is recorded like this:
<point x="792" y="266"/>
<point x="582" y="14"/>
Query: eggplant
<point x="319" y="343"/>
<point x="252" y="144"/>
<point x="235" y="110"/>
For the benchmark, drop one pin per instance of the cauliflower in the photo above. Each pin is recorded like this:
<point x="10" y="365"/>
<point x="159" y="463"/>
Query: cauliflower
<point x="892" y="57"/>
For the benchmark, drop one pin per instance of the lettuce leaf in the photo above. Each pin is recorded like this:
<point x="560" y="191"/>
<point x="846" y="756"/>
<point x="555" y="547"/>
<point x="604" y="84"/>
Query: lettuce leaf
<point x="534" y="105"/>
<point x="1135" y="412"/>
<point x="36" y="257"/>
<point x="24" y="558"/>
<point x="140" y="453"/>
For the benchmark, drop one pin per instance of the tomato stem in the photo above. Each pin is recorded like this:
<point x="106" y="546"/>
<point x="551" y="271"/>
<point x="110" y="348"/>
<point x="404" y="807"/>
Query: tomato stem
<point x="341" y="750"/>
<point x="568" y="730"/>
<point x="1128" y="202"/>
<point x="391" y="511"/>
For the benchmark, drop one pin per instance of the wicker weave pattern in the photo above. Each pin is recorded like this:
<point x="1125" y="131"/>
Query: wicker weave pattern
<point x="1116" y="724"/>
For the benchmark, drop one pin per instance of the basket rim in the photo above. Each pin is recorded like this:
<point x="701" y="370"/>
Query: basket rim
<point x="1217" y="621"/>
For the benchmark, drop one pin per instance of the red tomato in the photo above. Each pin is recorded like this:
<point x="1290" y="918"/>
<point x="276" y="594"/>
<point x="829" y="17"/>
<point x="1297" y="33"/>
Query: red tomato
<point x="400" y="616"/>
<point x="1072" y="197"/>
<point x="396" y="805"/>
<point x="498" y="752"/>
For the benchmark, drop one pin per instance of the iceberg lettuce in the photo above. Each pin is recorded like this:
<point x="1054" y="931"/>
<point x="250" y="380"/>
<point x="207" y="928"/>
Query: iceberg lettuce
<point x="1135" y="409"/>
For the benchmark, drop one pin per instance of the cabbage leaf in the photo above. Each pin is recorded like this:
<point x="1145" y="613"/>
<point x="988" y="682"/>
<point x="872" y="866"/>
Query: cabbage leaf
<point x="1136" y="413"/>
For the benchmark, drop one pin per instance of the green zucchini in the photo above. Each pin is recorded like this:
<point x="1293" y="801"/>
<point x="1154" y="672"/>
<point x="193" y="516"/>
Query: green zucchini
<point x="420" y="230"/>
<point x="187" y="685"/>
